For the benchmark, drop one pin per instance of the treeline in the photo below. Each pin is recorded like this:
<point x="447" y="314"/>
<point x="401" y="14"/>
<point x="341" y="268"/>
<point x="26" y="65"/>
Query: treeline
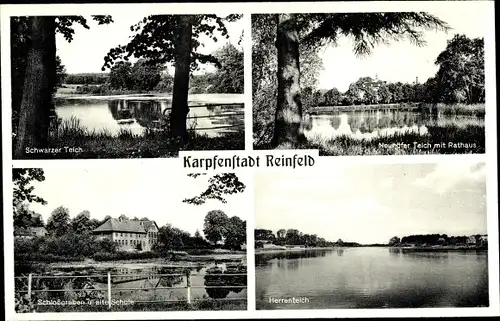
<point x="460" y="79"/>
<point x="146" y="76"/>
<point x="72" y="239"/>
<point x="289" y="237"/>
<point x="437" y="239"/>
<point x="86" y="79"/>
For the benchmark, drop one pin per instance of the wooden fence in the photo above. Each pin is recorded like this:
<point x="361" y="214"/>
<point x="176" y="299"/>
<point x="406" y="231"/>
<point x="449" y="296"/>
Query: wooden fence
<point x="132" y="277"/>
<point x="234" y="105"/>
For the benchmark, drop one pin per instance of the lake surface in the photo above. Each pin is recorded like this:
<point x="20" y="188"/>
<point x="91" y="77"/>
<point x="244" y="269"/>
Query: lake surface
<point x="136" y="113"/>
<point x="371" y="278"/>
<point x="140" y="281"/>
<point x="376" y="123"/>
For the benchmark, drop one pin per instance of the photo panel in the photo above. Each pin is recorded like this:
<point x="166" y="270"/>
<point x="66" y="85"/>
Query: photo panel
<point x="126" y="85"/>
<point x="373" y="236"/>
<point x="371" y="83"/>
<point x="86" y="241"/>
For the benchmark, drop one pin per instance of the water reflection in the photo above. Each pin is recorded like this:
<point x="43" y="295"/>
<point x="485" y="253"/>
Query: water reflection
<point x="373" y="278"/>
<point x="139" y="115"/>
<point x="140" y="283"/>
<point x="375" y="123"/>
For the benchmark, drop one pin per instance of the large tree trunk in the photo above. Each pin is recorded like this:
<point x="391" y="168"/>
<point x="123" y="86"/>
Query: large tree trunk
<point x="39" y="83"/>
<point x="181" y="78"/>
<point x="288" y="129"/>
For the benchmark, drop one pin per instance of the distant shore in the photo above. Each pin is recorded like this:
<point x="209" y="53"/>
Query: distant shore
<point x="404" y="249"/>
<point x="407" y="249"/>
<point x="261" y="251"/>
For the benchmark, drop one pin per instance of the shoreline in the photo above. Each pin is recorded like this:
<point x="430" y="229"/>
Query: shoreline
<point x="394" y="248"/>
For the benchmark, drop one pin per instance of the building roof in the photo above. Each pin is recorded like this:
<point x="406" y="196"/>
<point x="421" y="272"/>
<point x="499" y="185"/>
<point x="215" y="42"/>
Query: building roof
<point x="147" y="224"/>
<point x="116" y="225"/>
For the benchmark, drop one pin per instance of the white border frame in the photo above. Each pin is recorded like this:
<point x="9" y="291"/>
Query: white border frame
<point x="324" y="162"/>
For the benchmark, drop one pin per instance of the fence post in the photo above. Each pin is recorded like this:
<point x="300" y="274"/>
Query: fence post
<point x="109" y="290"/>
<point x="29" y="285"/>
<point x="188" y="285"/>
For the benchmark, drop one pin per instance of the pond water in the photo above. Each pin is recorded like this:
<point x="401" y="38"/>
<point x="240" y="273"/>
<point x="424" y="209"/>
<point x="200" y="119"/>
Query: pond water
<point x="371" y="278"/>
<point x="140" y="282"/>
<point x="138" y="113"/>
<point x="376" y="123"/>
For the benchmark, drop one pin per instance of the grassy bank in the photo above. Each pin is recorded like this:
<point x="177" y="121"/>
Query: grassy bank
<point x="72" y="140"/>
<point x="478" y="110"/>
<point x="451" y="139"/>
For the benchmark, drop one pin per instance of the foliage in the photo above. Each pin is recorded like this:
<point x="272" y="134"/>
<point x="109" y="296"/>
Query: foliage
<point x="219" y="185"/>
<point x="214" y="226"/>
<point x="155" y="39"/>
<point x="26" y="218"/>
<point x="290" y="237"/>
<point x="58" y="222"/>
<point x="460" y="77"/>
<point x="60" y="72"/>
<point x="87" y="79"/>
<point x="23" y="192"/>
<point x="437" y="239"/>
<point x="229" y="78"/>
<point x="394" y="240"/>
<point x="82" y="223"/>
<point x="140" y="76"/>
<point x="265" y="235"/>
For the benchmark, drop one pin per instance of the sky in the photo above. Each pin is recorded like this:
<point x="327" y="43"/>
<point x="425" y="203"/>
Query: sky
<point x="400" y="61"/>
<point x="142" y="191"/>
<point x="372" y="203"/>
<point x="85" y="53"/>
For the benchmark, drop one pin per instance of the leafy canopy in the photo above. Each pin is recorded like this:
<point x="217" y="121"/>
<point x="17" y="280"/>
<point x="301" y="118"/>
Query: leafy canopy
<point x="156" y="36"/>
<point x="219" y="185"/>
<point x="367" y="29"/>
<point x="23" y="191"/>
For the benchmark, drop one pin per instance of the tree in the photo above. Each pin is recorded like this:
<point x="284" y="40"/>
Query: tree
<point x="60" y="72"/>
<point x="145" y="76"/>
<point x="24" y="217"/>
<point x="120" y="75"/>
<point x="33" y="42"/>
<point x="219" y="185"/>
<point x="22" y="178"/>
<point x="394" y="241"/>
<point x="366" y="29"/>
<point x="281" y="233"/>
<point x="461" y="70"/>
<point x="230" y="75"/>
<point x="58" y="222"/>
<point x="332" y="97"/>
<point x="162" y="39"/>
<point x="264" y="75"/>
<point x="262" y="234"/>
<point x="215" y="226"/>
<point x="169" y="238"/>
<point x="123" y="217"/>
<point x="82" y="223"/>
<point x="235" y="233"/>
